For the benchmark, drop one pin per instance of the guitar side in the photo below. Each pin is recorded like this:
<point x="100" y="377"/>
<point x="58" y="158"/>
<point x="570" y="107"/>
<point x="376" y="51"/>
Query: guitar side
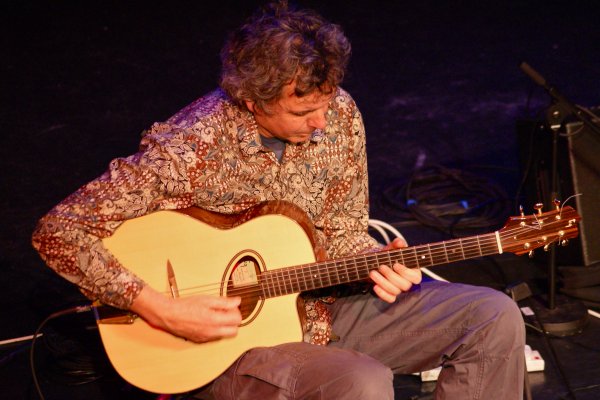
<point x="202" y="256"/>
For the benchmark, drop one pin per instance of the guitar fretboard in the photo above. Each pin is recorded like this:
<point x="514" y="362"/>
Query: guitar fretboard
<point x="323" y="274"/>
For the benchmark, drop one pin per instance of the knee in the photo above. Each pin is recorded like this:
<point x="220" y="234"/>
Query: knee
<point x="367" y="379"/>
<point x="500" y="316"/>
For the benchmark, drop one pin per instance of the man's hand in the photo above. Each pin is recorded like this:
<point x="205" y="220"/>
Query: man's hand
<point x="196" y="318"/>
<point x="390" y="282"/>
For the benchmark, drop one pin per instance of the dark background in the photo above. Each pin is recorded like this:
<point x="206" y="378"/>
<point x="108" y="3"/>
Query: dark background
<point x="437" y="83"/>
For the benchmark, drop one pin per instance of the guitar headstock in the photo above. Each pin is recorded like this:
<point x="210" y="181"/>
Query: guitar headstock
<point x="523" y="234"/>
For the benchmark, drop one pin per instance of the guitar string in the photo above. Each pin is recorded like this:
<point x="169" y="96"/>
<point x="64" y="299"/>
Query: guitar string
<point x="255" y="288"/>
<point x="333" y="265"/>
<point x="283" y="287"/>
<point x="324" y="271"/>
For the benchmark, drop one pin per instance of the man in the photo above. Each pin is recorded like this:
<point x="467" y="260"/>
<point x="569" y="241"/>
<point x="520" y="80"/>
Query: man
<point x="281" y="128"/>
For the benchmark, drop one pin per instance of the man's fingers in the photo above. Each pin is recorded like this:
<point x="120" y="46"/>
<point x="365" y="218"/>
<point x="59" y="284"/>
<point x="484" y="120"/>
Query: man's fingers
<point x="413" y="275"/>
<point x="383" y="295"/>
<point x="394" y="282"/>
<point x="399" y="243"/>
<point x="390" y="282"/>
<point x="225" y="311"/>
<point x="224" y="303"/>
<point x="383" y="283"/>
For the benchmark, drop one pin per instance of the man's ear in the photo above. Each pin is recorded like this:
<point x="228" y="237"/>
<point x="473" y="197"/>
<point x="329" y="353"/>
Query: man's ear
<point x="250" y="105"/>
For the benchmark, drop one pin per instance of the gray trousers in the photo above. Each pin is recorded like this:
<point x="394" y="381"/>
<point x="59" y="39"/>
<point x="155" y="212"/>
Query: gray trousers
<point x="475" y="333"/>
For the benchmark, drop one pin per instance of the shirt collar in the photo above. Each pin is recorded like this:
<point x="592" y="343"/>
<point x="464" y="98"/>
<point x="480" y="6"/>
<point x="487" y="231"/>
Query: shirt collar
<point x="249" y="137"/>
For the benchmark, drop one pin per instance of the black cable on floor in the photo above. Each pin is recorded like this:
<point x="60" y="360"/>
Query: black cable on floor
<point x="448" y="199"/>
<point x="72" y="310"/>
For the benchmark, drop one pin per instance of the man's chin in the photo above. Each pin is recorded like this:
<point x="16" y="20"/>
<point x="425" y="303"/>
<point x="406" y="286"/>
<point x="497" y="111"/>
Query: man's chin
<point x="301" y="138"/>
<point x="298" y="140"/>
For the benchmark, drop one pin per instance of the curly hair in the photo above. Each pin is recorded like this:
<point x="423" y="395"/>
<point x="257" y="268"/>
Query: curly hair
<point x="278" y="45"/>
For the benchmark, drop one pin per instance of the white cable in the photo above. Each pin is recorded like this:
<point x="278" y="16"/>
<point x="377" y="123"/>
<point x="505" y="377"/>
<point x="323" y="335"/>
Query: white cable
<point x="16" y="340"/>
<point x="384" y="227"/>
<point x="433" y="275"/>
<point x="381" y="231"/>
<point x="377" y="224"/>
<point x="593" y="313"/>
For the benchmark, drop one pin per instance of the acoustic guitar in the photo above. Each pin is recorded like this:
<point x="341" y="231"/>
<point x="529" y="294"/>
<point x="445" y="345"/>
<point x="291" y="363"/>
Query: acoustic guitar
<point x="266" y="256"/>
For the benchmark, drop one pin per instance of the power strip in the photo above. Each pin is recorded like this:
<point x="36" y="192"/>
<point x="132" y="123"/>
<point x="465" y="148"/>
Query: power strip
<point x="533" y="360"/>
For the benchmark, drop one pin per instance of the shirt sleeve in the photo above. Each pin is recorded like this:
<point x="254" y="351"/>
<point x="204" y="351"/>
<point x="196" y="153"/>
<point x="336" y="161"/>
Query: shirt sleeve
<point x="347" y="230"/>
<point x="69" y="237"/>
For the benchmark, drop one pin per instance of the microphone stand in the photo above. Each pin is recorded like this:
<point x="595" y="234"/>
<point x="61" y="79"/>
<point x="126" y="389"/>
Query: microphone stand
<point x="561" y="315"/>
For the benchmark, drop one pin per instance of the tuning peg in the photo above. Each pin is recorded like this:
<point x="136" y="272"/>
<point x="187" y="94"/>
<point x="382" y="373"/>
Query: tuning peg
<point x="538" y="207"/>
<point x="521" y="211"/>
<point x="557" y="204"/>
<point x="530" y="253"/>
<point x="546" y="247"/>
<point x="564" y="242"/>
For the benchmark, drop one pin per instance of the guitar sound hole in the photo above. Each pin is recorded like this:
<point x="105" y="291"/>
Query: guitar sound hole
<point x="243" y="282"/>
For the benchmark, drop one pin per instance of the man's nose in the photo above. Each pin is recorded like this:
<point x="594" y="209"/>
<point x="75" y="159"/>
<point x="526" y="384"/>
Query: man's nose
<point x="318" y="120"/>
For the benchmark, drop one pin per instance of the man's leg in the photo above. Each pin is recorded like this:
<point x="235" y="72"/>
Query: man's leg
<point x="476" y="333"/>
<point x="304" y="371"/>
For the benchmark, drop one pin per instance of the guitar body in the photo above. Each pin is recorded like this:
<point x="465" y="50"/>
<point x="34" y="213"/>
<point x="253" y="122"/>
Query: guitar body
<point x="202" y="256"/>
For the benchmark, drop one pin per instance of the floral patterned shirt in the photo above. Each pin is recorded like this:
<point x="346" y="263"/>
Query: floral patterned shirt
<point x="210" y="155"/>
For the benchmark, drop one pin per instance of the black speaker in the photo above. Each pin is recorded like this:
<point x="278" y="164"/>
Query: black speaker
<point x="584" y="157"/>
<point x="578" y="181"/>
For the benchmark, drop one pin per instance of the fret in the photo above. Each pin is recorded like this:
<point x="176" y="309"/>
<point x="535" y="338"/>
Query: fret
<point x="282" y="282"/>
<point x="471" y="250"/>
<point x="445" y="251"/>
<point x="267" y="283"/>
<point x="306" y="277"/>
<point x="314" y="274"/>
<point x="263" y="286"/>
<point x="290" y="285"/>
<point x="352" y="269"/>
<point x="356" y="267"/>
<point x="430" y="256"/>
<point x="300" y="278"/>
<point x="423" y="256"/>
<point x="367" y="265"/>
<point x="479" y="246"/>
<point x="411" y="257"/>
<point x="337" y="275"/>
<point x="388" y="255"/>
<point x="276" y="284"/>
<point x="401" y="257"/>
<point x="438" y="254"/>
<point x="340" y="272"/>
<point x="283" y="286"/>
<point x="492" y="244"/>
<point x="319" y="274"/>
<point x="296" y="279"/>
<point x="337" y="272"/>
<point x="328" y="274"/>
<point x="345" y="269"/>
<point x="344" y="272"/>
<point x="462" y="249"/>
<point x="454" y="252"/>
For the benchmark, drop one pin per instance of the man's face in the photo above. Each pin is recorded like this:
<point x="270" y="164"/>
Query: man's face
<point x="292" y="118"/>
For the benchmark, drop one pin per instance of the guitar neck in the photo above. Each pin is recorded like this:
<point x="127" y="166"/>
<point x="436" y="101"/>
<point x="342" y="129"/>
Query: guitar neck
<point x="323" y="274"/>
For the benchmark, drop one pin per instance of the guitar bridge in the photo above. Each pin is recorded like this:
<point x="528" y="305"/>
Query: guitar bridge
<point x="111" y="315"/>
